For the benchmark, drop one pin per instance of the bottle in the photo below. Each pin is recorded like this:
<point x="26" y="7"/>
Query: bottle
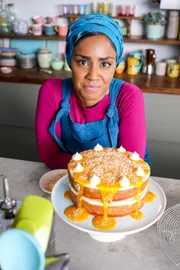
<point x="11" y="16"/>
<point x="3" y="18"/>
<point x="173" y="24"/>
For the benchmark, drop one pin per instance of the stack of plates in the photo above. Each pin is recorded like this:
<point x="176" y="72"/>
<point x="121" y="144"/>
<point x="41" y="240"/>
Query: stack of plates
<point x="8" y="57"/>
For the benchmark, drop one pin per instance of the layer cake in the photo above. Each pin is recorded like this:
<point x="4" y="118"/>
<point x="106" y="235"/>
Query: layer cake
<point x="109" y="182"/>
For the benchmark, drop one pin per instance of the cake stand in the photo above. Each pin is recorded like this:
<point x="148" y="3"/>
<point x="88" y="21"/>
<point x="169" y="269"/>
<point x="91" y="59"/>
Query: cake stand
<point x="125" y="225"/>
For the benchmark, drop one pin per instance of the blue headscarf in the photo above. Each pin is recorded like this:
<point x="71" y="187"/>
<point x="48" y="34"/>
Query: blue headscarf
<point x="96" y="22"/>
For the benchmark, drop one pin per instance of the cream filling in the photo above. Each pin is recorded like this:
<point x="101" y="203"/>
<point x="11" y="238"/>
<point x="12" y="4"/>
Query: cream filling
<point x="113" y="203"/>
<point x="121" y="188"/>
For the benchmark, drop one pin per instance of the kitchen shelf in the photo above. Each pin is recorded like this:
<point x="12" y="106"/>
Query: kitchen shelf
<point x="144" y="40"/>
<point x="131" y="39"/>
<point x="31" y="36"/>
<point x="147" y="83"/>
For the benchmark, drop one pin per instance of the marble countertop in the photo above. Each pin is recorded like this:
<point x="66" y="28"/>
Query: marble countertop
<point x="137" y="251"/>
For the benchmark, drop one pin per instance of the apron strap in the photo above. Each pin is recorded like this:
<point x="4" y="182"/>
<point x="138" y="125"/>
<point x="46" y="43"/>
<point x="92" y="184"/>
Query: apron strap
<point x="67" y="86"/>
<point x="112" y="111"/>
<point x="64" y="110"/>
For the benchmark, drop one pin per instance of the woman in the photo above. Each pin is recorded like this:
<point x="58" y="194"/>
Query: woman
<point x="92" y="107"/>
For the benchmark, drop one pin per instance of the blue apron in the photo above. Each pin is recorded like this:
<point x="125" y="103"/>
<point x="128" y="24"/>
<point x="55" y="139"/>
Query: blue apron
<point x="77" y="137"/>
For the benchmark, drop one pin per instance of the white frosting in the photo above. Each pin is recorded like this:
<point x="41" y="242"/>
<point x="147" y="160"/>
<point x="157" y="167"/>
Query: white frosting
<point x="113" y="203"/>
<point x="77" y="156"/>
<point x="78" y="168"/>
<point x="98" y="147"/>
<point x="94" y="180"/>
<point x="124" y="181"/>
<point x="121" y="149"/>
<point x="140" y="172"/>
<point x="134" y="156"/>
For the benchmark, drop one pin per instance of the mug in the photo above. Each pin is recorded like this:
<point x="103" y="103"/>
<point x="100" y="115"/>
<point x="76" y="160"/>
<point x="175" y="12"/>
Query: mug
<point x="62" y="21"/>
<point x="173" y="70"/>
<point x="133" y="65"/>
<point x="61" y="30"/>
<point x="49" y="29"/>
<point x="121" y="66"/>
<point x="161" y="68"/>
<point x="140" y="57"/>
<point x="37" y="19"/>
<point x="171" y="61"/>
<point x="36" y="29"/>
<point x="51" y="20"/>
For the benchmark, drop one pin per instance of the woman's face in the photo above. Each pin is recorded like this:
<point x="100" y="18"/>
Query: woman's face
<point x="93" y="65"/>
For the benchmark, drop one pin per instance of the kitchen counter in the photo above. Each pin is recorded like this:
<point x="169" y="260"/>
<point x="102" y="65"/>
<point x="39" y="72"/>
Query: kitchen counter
<point x="134" y="252"/>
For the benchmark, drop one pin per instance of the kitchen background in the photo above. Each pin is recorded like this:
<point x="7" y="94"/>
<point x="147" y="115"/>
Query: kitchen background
<point x="18" y="101"/>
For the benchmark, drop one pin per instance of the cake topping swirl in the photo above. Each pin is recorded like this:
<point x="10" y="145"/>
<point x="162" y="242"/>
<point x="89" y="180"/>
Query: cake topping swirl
<point x="134" y="156"/>
<point x="98" y="147"/>
<point x="94" y="180"/>
<point x="77" y="156"/>
<point x="78" y="168"/>
<point x="140" y="172"/>
<point x="124" y="181"/>
<point x="121" y="149"/>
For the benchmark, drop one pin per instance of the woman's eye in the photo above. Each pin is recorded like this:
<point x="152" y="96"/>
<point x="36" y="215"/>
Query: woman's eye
<point x="83" y="63"/>
<point x="105" y="64"/>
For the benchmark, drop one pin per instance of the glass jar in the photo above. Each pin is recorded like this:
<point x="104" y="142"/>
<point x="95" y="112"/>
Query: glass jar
<point x="4" y="28"/>
<point x="11" y="16"/>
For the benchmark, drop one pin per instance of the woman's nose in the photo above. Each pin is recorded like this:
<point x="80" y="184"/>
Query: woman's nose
<point x="93" y="73"/>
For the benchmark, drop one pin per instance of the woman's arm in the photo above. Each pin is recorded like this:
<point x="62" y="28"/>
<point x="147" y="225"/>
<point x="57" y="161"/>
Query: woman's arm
<point x="50" y="95"/>
<point x="132" y="129"/>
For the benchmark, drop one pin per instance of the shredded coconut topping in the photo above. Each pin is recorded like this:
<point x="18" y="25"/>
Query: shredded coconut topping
<point x="109" y="165"/>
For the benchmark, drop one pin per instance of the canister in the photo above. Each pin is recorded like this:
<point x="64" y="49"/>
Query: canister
<point x="173" y="24"/>
<point x="44" y="58"/>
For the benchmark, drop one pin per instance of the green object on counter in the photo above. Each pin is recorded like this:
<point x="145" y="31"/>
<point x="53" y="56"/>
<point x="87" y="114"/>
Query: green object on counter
<point x="57" y="64"/>
<point x="35" y="216"/>
<point x="51" y="260"/>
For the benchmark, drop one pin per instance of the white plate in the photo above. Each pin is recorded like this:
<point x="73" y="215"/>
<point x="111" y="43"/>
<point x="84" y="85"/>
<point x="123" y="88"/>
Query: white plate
<point x="49" y="179"/>
<point x="125" y="225"/>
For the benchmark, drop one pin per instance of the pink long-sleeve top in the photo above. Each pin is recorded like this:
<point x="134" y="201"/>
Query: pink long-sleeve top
<point x="132" y="127"/>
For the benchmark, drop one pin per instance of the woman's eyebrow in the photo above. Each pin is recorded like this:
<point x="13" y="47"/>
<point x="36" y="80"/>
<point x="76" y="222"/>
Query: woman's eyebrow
<point x="101" y="58"/>
<point x="83" y="56"/>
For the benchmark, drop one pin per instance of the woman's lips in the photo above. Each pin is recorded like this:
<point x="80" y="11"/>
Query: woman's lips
<point x="91" y="87"/>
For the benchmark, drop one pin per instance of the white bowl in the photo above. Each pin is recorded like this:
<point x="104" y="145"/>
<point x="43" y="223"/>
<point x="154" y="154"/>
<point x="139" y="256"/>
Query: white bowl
<point x="6" y="70"/>
<point x="49" y="179"/>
